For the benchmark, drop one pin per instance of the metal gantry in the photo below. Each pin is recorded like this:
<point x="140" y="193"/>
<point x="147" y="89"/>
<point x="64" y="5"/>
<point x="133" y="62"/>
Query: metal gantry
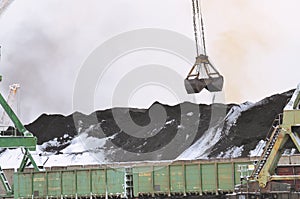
<point x="24" y="140"/>
<point x="283" y="129"/>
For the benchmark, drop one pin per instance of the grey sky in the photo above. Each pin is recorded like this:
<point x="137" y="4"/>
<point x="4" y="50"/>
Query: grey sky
<point x="254" y="44"/>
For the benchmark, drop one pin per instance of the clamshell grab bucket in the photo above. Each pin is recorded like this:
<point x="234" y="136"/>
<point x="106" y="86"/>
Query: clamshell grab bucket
<point x="213" y="84"/>
<point x="203" y="75"/>
<point x="194" y="85"/>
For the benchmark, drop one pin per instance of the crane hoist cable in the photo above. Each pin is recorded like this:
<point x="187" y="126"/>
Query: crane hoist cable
<point x="202" y="25"/>
<point x="198" y="23"/>
<point x="203" y="74"/>
<point x="195" y="27"/>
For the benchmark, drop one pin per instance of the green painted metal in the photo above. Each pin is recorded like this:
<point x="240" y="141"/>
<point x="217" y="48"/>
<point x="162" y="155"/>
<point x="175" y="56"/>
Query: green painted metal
<point x="16" y="189"/>
<point x="265" y="168"/>
<point x="291" y="117"/>
<point x="99" y="182"/>
<point x="69" y="183"/>
<point x="225" y="176"/>
<point x="208" y="178"/>
<point x="39" y="185"/>
<point x="161" y="179"/>
<point x="27" y="157"/>
<point x="296" y="139"/>
<point x="296" y="103"/>
<point x="183" y="178"/>
<point x="187" y="178"/>
<point x="54" y="183"/>
<point x="271" y="162"/>
<point x="5" y="182"/>
<point x="193" y="178"/>
<point x="115" y="181"/>
<point x="18" y="141"/>
<point x="143" y="180"/>
<point x="83" y="182"/>
<point x="237" y="173"/>
<point x="177" y="179"/>
<point x="27" y="141"/>
<point x="13" y="117"/>
<point x="23" y="185"/>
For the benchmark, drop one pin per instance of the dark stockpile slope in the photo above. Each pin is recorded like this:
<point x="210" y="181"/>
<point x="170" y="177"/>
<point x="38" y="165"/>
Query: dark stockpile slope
<point x="47" y="127"/>
<point x="146" y="134"/>
<point x="254" y="124"/>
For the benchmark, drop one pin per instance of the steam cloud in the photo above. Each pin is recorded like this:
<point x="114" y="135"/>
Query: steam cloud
<point x="45" y="42"/>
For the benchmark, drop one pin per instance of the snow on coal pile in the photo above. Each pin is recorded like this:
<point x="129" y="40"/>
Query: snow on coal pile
<point x="184" y="131"/>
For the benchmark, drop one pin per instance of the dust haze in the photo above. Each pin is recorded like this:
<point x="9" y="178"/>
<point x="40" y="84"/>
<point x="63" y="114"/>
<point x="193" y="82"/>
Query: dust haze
<point x="44" y="44"/>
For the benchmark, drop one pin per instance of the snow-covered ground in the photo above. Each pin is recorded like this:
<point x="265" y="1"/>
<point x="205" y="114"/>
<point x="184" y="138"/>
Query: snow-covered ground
<point x="81" y="150"/>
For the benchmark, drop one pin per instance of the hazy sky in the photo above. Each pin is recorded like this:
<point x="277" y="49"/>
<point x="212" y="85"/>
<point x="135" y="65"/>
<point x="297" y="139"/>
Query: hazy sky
<point x="255" y="45"/>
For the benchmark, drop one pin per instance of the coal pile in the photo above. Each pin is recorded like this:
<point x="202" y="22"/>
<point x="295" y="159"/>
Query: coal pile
<point x="163" y="132"/>
<point x="253" y="125"/>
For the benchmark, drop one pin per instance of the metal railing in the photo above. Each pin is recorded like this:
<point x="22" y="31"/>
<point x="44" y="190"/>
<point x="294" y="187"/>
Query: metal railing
<point x="8" y="131"/>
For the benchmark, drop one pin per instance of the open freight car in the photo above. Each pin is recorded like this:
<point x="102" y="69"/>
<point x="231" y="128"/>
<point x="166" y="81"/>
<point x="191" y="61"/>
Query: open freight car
<point x="164" y="179"/>
<point x="186" y="178"/>
<point x="79" y="183"/>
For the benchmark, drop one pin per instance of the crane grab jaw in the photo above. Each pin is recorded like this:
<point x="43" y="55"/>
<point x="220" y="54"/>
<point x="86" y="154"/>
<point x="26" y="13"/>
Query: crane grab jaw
<point x="203" y="75"/>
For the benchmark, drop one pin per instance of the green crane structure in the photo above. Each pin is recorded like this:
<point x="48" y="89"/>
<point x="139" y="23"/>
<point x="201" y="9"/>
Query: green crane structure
<point x="24" y="140"/>
<point x="285" y="127"/>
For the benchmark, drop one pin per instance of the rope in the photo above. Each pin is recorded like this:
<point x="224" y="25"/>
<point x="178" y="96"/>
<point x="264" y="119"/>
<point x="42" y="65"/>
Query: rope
<point x="198" y="23"/>
<point x="198" y="26"/>
<point x="195" y="26"/>
<point x="202" y="24"/>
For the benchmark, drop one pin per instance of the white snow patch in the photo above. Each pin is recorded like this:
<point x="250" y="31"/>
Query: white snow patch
<point x="233" y="152"/>
<point x="11" y="158"/>
<point x="74" y="159"/>
<point x="190" y="114"/>
<point x="180" y="127"/>
<point x="258" y="149"/>
<point x="82" y="150"/>
<point x="80" y="123"/>
<point x="187" y="137"/>
<point x="290" y="105"/>
<point x="170" y="122"/>
<point x="51" y="143"/>
<point x="83" y="143"/>
<point x="288" y="152"/>
<point x="200" y="149"/>
<point x="236" y="111"/>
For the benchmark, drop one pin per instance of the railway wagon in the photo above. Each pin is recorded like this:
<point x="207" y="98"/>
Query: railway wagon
<point x="132" y="180"/>
<point x="79" y="183"/>
<point x="188" y="178"/>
